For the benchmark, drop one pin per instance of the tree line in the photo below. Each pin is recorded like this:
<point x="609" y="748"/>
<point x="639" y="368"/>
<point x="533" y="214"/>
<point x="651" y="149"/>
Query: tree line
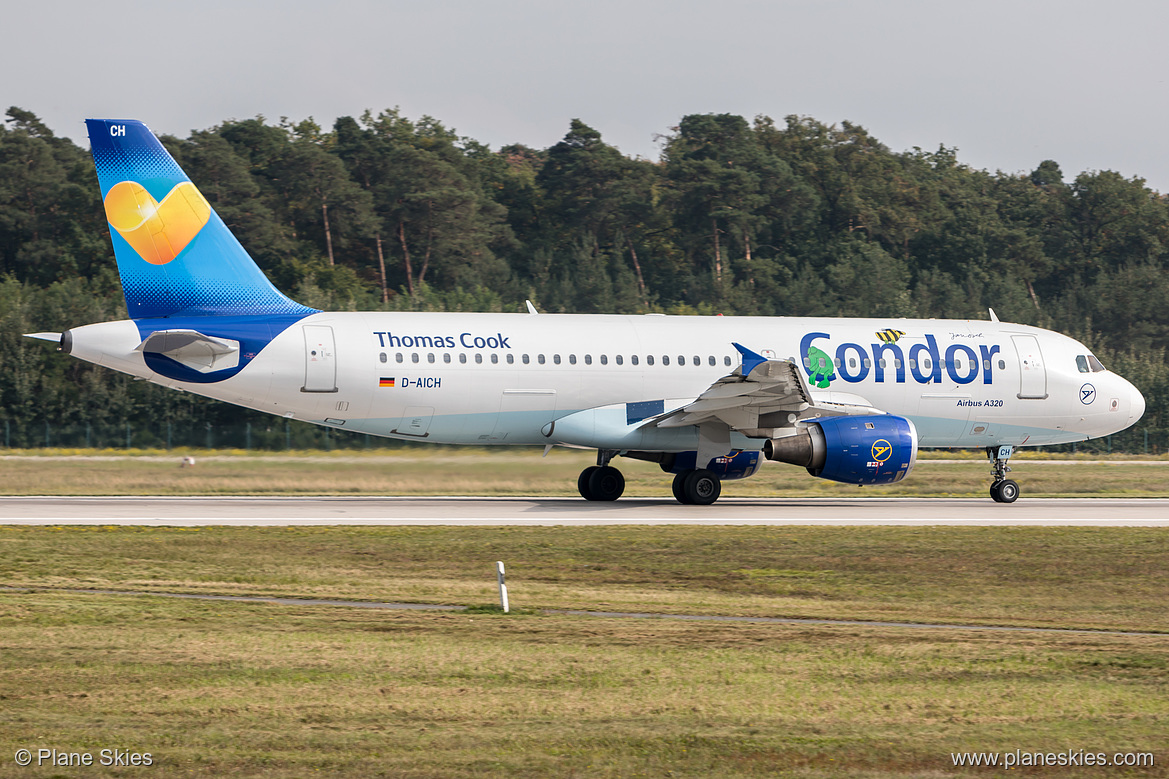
<point x="798" y="218"/>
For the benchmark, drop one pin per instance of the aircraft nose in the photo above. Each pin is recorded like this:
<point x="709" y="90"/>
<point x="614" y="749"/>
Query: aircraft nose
<point x="1136" y="406"/>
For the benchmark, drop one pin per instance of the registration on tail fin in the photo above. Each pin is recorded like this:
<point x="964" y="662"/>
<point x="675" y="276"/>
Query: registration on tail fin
<point x="175" y="255"/>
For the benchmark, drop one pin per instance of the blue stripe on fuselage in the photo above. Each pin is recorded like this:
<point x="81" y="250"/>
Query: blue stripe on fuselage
<point x="253" y="333"/>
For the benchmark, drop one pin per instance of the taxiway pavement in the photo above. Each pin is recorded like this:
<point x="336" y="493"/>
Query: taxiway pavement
<point x="260" y="511"/>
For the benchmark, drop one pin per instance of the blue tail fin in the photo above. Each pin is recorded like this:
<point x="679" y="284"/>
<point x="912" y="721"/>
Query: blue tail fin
<point x="175" y="255"/>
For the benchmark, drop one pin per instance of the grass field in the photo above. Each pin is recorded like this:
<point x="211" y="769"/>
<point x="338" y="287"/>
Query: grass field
<point x="458" y="471"/>
<point x="211" y="688"/>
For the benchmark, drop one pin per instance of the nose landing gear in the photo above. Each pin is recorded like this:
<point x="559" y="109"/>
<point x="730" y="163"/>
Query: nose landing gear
<point x="1003" y="490"/>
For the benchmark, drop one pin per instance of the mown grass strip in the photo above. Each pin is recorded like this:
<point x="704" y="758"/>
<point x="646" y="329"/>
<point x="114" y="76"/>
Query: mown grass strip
<point x="523" y="472"/>
<point x="1088" y="578"/>
<point x="493" y="609"/>
<point x="278" y="691"/>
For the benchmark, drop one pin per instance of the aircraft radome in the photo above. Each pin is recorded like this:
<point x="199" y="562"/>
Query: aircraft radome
<point x="708" y="398"/>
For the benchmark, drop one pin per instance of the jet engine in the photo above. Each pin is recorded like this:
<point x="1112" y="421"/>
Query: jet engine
<point x="855" y="450"/>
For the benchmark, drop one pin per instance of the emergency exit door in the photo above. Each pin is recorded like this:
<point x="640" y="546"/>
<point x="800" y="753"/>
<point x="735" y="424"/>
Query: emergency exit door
<point x="320" y="359"/>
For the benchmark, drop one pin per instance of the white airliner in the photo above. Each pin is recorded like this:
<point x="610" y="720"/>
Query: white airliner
<point x="709" y="398"/>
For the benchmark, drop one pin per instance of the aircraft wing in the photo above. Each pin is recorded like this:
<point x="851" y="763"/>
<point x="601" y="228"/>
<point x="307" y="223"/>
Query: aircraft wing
<point x="760" y="397"/>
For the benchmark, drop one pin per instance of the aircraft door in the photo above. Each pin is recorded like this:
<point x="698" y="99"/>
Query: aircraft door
<point x="320" y="355"/>
<point x="1032" y="373"/>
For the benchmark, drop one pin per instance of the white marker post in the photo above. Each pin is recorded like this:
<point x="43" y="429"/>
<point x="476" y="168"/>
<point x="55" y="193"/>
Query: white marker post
<point x="502" y="586"/>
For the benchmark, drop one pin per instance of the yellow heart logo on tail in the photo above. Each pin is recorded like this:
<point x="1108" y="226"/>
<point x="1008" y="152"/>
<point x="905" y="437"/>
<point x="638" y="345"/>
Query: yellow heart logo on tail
<point x="157" y="231"/>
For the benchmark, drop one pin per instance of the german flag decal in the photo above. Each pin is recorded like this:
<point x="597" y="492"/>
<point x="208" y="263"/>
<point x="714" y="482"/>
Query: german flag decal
<point x="384" y="382"/>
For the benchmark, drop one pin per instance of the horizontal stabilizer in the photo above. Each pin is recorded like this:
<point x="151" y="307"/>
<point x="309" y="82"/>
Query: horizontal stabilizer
<point x="191" y="348"/>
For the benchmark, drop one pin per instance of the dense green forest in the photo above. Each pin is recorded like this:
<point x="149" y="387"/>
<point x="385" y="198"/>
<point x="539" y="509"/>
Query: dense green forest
<point x="384" y="212"/>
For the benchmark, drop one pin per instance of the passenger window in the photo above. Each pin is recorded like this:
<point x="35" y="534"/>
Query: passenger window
<point x="632" y="359"/>
<point x="525" y="359"/>
<point x="986" y="365"/>
<point x="398" y="357"/>
<point x="867" y="363"/>
<point x="430" y="358"/>
<point x="604" y="360"/>
<point x="383" y="357"/>
<point x="710" y="360"/>
<point x="414" y="357"/>
<point x="973" y="365"/>
<point x="881" y="362"/>
<point x="463" y="358"/>
<point x="896" y="362"/>
<point x="446" y="356"/>
<point x="665" y="359"/>
<point x="727" y="360"/>
<point x="1002" y="365"/>
<point x="510" y="359"/>
<point x="478" y="358"/>
<point x="927" y="364"/>
<point x="619" y="359"/>
<point x="572" y="359"/>
<point x="852" y="362"/>
<point x="494" y="358"/>
<point x="589" y="359"/>
<point x="649" y="360"/>
<point x="912" y="363"/>
<point x="556" y="358"/>
<point x="540" y="359"/>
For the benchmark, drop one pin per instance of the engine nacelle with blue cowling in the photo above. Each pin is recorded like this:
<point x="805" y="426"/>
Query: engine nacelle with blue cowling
<point x="879" y="449"/>
<point x="736" y="466"/>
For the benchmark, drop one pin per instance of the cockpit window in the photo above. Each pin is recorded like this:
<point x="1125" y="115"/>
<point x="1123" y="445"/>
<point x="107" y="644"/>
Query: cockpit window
<point x="1086" y="363"/>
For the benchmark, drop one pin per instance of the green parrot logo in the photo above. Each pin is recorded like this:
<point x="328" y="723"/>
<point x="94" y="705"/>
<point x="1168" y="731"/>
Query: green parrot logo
<point x="821" y="367"/>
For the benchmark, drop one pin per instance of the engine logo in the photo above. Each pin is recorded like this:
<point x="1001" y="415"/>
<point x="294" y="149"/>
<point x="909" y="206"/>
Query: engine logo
<point x="882" y="450"/>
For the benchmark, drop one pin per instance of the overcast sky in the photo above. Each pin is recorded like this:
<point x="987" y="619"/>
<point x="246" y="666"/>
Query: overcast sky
<point x="1009" y="83"/>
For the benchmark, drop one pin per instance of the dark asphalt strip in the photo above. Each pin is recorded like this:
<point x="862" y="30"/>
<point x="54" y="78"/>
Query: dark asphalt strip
<point x="357" y="604"/>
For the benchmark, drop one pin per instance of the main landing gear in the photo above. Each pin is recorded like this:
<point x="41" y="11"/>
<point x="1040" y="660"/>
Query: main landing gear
<point x="601" y="481"/>
<point x="696" y="487"/>
<point x="1003" y="490"/>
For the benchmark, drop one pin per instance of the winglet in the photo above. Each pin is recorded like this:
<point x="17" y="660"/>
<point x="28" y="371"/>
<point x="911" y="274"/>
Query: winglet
<point x="751" y="360"/>
<point x="531" y="308"/>
<point x="993" y="316"/>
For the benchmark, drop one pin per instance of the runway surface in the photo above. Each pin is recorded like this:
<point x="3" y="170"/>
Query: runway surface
<point x="163" y="511"/>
